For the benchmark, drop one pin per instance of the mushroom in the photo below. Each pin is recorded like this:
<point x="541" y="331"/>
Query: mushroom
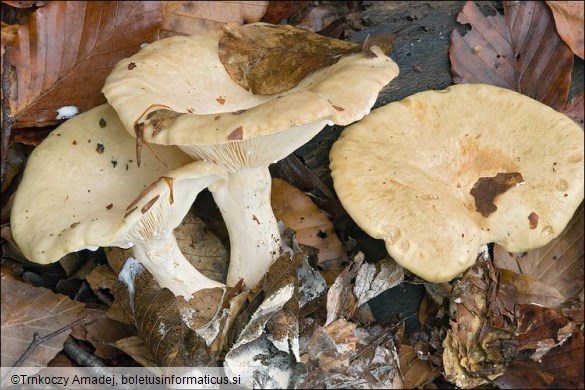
<point x="177" y="92"/>
<point x="81" y="190"/>
<point x="440" y="173"/>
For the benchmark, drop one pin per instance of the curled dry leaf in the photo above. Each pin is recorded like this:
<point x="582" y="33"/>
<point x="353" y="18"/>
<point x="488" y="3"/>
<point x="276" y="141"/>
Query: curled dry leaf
<point x="520" y="51"/>
<point x="569" y="21"/>
<point x="68" y="44"/>
<point x="196" y="17"/>
<point x="416" y="373"/>
<point x="266" y="352"/>
<point x="575" y="108"/>
<point x="553" y="274"/>
<point x="135" y="347"/>
<point x="27" y="310"/>
<point x="345" y="355"/>
<point x="550" y="352"/>
<point x="266" y="59"/>
<point x="296" y="210"/>
<point x="481" y="341"/>
<point x="161" y="322"/>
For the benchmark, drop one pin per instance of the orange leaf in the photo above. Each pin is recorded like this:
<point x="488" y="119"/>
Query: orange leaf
<point x="67" y="49"/>
<point x="569" y="21"/>
<point x="196" y="17"/>
<point x="520" y="51"/>
<point x="296" y="210"/>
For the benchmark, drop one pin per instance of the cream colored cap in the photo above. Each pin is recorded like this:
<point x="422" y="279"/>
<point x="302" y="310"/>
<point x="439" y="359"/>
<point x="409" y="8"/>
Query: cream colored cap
<point x="79" y="189"/>
<point x="211" y="117"/>
<point x="406" y="174"/>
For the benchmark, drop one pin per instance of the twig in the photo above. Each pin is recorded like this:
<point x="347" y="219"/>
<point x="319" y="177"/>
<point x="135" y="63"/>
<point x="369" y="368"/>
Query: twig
<point x="37" y="340"/>
<point x="7" y="120"/>
<point x="80" y="355"/>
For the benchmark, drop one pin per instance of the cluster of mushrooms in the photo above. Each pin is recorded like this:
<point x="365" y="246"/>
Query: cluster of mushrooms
<point x="435" y="175"/>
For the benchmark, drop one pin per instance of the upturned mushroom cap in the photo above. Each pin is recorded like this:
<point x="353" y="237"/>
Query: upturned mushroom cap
<point x="81" y="189"/>
<point x="180" y="92"/>
<point x="440" y="173"/>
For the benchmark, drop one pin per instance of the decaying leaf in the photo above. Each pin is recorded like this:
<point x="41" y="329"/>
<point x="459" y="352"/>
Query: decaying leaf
<point x="102" y="332"/>
<point x="481" y="341"/>
<point x="135" y="347"/>
<point x="550" y="352"/>
<point x="520" y="51"/>
<point x="553" y="274"/>
<point x="266" y="352"/>
<point x="569" y="21"/>
<point x="26" y="310"/>
<point x="416" y="373"/>
<point x="296" y="210"/>
<point x="277" y="11"/>
<point x="196" y="17"/>
<point x="345" y="355"/>
<point x="161" y="322"/>
<point x="67" y="49"/>
<point x="575" y="108"/>
<point x="268" y="59"/>
<point x="202" y="248"/>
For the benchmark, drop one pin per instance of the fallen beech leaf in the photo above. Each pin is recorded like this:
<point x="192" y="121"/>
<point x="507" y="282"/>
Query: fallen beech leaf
<point x="66" y="51"/>
<point x="574" y="109"/>
<point x="161" y="322"/>
<point x="202" y="248"/>
<point x="345" y="355"/>
<point x="269" y="59"/>
<point x="558" y="266"/>
<point x="416" y="373"/>
<point x="481" y="341"/>
<point x="296" y="210"/>
<point x="277" y="11"/>
<point x="135" y="347"/>
<point x="268" y="343"/>
<point x="569" y="21"/>
<point x="26" y="310"/>
<point x="520" y="51"/>
<point x="102" y="332"/>
<point x="196" y="17"/>
<point x="25" y="4"/>
<point x="557" y="347"/>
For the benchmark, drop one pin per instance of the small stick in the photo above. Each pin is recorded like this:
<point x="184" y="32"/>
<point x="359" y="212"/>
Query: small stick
<point x="7" y="120"/>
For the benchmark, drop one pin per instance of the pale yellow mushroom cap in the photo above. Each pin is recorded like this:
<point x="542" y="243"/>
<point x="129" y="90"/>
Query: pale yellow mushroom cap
<point x="80" y="183"/>
<point x="405" y="174"/>
<point x="212" y="117"/>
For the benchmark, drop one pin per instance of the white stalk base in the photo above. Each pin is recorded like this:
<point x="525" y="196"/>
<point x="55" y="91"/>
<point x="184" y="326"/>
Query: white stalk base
<point x="164" y="260"/>
<point x="244" y="202"/>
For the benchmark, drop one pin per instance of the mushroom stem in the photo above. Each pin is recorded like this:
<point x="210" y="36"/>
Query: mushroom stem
<point x="244" y="202"/>
<point x="164" y="260"/>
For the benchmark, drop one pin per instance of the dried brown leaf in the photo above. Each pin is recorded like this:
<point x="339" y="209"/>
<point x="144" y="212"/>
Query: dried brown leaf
<point x="67" y="49"/>
<point x="481" y="341"/>
<point x="296" y="210"/>
<point x="557" y="347"/>
<point x="268" y="59"/>
<point x="277" y="11"/>
<point x="416" y="373"/>
<point x="197" y="17"/>
<point x="102" y="332"/>
<point x="24" y="4"/>
<point x="568" y="17"/>
<point x="161" y="322"/>
<point x="558" y="265"/>
<point x="202" y="248"/>
<point x="135" y="347"/>
<point x="26" y="310"/>
<point x="345" y="355"/>
<point x="575" y="108"/>
<point x="102" y="277"/>
<point x="520" y="51"/>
